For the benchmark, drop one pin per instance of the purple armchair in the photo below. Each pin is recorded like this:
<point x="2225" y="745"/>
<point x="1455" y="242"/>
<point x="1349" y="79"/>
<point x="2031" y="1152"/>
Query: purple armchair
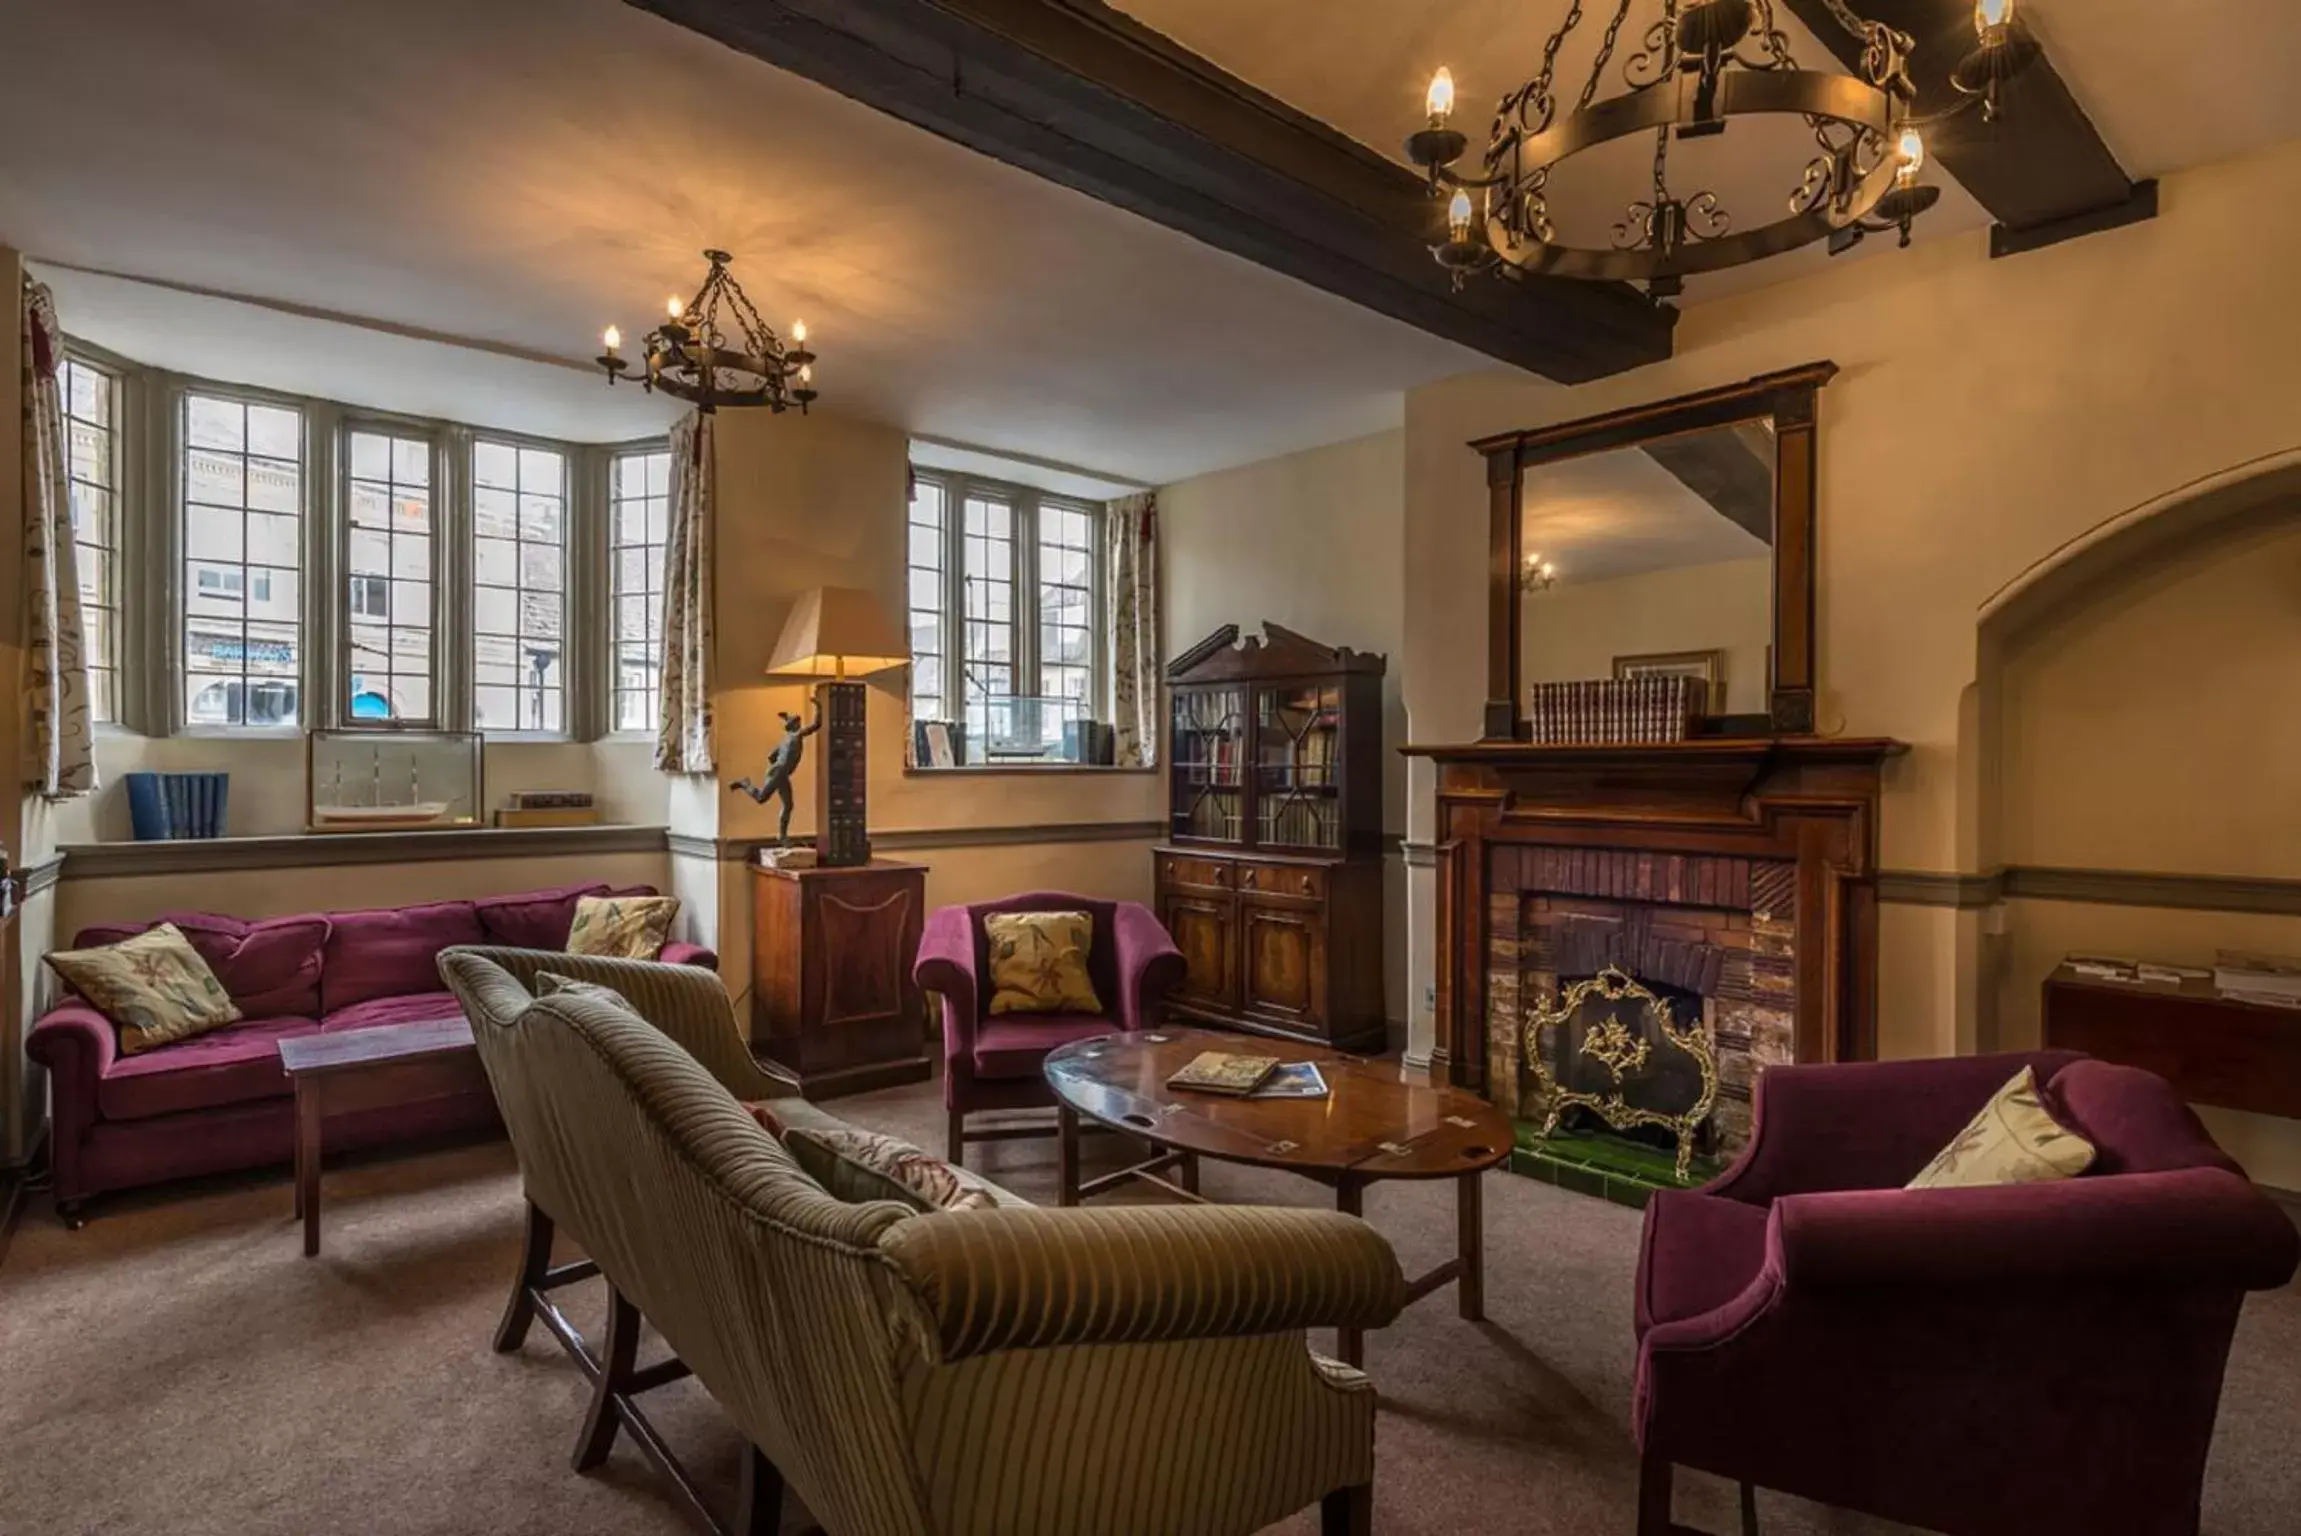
<point x="994" y="1063"/>
<point x="2042" y="1358"/>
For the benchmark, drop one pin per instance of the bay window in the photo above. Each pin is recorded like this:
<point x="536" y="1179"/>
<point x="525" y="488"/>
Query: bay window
<point x="638" y="526"/>
<point x="241" y="466"/>
<point x="92" y="451"/>
<point x="388" y="551"/>
<point x="519" y="588"/>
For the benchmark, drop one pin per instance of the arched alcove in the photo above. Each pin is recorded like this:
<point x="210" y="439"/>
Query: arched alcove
<point x="2139" y="712"/>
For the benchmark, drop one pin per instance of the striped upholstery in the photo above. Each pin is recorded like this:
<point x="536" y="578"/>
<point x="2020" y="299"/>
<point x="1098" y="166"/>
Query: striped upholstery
<point x="1019" y="1372"/>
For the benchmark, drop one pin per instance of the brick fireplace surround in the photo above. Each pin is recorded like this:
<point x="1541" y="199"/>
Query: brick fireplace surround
<point x="1740" y="870"/>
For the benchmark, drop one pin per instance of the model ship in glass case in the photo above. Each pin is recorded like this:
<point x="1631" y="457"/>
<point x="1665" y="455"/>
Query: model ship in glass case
<point x="378" y="780"/>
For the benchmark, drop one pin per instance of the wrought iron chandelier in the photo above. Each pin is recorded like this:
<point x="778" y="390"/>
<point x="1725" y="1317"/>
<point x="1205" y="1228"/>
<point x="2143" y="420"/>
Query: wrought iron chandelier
<point x="1699" y="65"/>
<point x="714" y="350"/>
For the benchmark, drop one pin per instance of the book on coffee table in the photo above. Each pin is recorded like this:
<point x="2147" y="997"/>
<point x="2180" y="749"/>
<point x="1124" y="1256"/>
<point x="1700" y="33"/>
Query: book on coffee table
<point x="1294" y="1080"/>
<point x="1224" y="1072"/>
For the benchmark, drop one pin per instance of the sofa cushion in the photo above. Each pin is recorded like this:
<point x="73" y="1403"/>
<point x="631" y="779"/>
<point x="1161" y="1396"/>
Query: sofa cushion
<point x="405" y="1008"/>
<point x="2013" y="1139"/>
<point x="1039" y="962"/>
<point x="935" y="1184"/>
<point x="622" y="927"/>
<point x="235" y="1065"/>
<point x="1699" y="1252"/>
<point x="156" y="988"/>
<point x="270" y="967"/>
<point x="2135" y="1119"/>
<point x="534" y="919"/>
<point x="387" y="953"/>
<point x="1016" y="1045"/>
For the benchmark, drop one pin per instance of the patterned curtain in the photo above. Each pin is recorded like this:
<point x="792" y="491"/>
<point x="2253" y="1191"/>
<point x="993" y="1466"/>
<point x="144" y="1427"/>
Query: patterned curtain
<point x="60" y="755"/>
<point x="1130" y="551"/>
<point x="685" y="741"/>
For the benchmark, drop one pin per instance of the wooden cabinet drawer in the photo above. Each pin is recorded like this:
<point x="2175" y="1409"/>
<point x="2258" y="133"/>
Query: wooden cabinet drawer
<point x="1181" y="872"/>
<point x="1305" y="884"/>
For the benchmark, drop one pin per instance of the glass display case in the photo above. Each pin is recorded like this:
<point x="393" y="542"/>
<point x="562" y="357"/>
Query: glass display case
<point x="374" y="780"/>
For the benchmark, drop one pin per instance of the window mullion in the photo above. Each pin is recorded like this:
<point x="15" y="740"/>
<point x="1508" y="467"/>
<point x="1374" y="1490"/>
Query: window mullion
<point x="955" y="644"/>
<point x="1023" y="612"/>
<point x="451" y="664"/>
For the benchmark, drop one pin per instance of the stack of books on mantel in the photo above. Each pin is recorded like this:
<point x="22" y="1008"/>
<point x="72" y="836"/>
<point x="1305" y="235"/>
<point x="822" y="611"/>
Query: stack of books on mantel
<point x="1620" y="710"/>
<point x="2249" y="978"/>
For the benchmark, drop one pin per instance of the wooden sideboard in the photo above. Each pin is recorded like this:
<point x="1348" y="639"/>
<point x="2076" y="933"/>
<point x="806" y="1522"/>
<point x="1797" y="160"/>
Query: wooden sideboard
<point x="2215" y="1050"/>
<point x="832" y="998"/>
<point x="1278" y="946"/>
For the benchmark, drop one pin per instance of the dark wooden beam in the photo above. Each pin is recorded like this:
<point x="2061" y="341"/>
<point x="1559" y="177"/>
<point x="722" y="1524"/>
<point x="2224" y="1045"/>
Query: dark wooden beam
<point x="2040" y="169"/>
<point x="1723" y="467"/>
<point x="1076" y="92"/>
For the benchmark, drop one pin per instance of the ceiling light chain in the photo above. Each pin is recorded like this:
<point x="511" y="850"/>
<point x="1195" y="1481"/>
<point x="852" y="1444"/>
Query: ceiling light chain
<point x="714" y="350"/>
<point x="1691" y="79"/>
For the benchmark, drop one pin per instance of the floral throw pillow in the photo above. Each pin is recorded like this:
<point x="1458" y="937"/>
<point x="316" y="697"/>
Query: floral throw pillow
<point x="1039" y="962"/>
<point x="927" y="1177"/>
<point x="622" y="927"/>
<point x="154" y="987"/>
<point x="2012" y="1141"/>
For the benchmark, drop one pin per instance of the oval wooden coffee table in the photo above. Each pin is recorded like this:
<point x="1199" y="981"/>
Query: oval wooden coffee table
<point x="1377" y="1122"/>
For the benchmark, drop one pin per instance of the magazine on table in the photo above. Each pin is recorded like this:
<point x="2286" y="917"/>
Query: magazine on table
<point x="1293" y="1080"/>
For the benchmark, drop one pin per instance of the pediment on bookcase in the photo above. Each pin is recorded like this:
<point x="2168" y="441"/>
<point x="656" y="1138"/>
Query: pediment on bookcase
<point x="1278" y="652"/>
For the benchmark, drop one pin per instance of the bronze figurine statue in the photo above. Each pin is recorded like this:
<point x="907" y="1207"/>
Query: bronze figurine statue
<point x="781" y="764"/>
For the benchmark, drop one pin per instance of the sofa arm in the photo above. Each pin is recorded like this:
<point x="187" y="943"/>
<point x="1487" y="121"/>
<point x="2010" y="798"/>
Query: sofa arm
<point x="946" y="967"/>
<point x="680" y="952"/>
<point x="77" y="1045"/>
<point x="1149" y="965"/>
<point x="2190" y="1227"/>
<point x="1032" y="1279"/>
<point x="686" y="1002"/>
<point x="1862" y="1125"/>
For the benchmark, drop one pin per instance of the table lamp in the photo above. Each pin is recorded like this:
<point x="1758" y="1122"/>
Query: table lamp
<point x="838" y="633"/>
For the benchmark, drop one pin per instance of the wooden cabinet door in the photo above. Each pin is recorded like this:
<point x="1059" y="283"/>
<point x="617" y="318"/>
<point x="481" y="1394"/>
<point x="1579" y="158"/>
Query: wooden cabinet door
<point x="1205" y="929"/>
<point x="1282" y="963"/>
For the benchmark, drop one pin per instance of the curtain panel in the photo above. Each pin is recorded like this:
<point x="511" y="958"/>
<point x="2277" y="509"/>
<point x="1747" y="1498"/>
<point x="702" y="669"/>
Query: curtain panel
<point x="685" y="741"/>
<point x="1130" y="533"/>
<point x="59" y="746"/>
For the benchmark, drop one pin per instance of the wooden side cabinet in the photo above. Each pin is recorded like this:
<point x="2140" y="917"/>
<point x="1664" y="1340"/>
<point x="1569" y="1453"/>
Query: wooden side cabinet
<point x="1289" y="947"/>
<point x="832" y="999"/>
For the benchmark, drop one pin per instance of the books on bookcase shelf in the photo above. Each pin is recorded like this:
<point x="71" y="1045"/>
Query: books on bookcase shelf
<point x="1600" y="711"/>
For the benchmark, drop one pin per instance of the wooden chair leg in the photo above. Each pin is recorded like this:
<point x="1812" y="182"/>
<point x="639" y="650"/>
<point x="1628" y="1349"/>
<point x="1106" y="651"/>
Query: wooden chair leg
<point x="759" y="1497"/>
<point x="1347" y="1511"/>
<point x="534" y="1264"/>
<point x="955" y="1139"/>
<point x="1749" y="1509"/>
<point x="617" y="1363"/>
<point x="1654" y="1487"/>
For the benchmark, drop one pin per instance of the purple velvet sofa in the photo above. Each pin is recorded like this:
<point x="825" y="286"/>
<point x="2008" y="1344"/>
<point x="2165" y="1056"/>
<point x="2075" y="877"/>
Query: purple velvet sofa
<point x="219" y="1101"/>
<point x="994" y="1062"/>
<point x="2042" y="1358"/>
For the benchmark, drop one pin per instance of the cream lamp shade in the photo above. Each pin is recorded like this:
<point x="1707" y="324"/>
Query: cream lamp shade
<point x="838" y="632"/>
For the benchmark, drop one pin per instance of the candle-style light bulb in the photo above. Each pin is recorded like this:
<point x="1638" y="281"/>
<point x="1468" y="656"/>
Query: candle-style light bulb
<point x="673" y="307"/>
<point x="799" y="332"/>
<point x="1458" y="214"/>
<point x="1440" y="98"/>
<point x="1990" y="14"/>
<point x="1911" y="154"/>
<point x="613" y="338"/>
<point x="806" y="373"/>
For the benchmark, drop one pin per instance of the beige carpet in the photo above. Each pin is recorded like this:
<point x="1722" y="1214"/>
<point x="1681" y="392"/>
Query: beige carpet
<point x="178" y="1367"/>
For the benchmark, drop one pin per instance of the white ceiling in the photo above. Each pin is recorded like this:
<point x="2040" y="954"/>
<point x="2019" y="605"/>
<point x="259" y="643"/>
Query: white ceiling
<point x="1620" y="513"/>
<point x="2170" y="85"/>
<point x="521" y="172"/>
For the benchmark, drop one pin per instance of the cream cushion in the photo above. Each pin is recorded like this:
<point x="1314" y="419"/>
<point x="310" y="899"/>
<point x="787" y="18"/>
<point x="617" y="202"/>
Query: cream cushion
<point x="1039" y="962"/>
<point x="2012" y="1141"/>
<point x="154" y="987"/>
<point x="622" y="927"/>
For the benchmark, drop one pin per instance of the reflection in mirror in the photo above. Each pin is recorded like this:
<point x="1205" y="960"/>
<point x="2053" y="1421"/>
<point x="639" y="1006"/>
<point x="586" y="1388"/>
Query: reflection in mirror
<point x="1657" y="557"/>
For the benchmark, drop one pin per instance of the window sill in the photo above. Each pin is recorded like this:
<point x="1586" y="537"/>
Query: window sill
<point x="997" y="770"/>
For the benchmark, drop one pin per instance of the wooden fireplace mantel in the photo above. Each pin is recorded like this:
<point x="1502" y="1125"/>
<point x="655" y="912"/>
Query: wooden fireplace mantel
<point x="1666" y="823"/>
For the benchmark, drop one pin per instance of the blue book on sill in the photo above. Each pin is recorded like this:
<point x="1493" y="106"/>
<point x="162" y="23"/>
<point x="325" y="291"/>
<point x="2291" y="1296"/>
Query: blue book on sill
<point x="165" y="807"/>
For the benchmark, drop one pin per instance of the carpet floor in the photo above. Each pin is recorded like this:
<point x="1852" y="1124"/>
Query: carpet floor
<point x="179" y="1367"/>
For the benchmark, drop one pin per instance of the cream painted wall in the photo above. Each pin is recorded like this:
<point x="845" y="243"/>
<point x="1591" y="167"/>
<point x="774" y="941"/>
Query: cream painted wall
<point x="1310" y="541"/>
<point x="1576" y="629"/>
<point x="1986" y="413"/>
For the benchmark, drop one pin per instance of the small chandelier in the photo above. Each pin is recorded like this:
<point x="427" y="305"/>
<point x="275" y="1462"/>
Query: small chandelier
<point x="1699" y="65"/>
<point x="1536" y="574"/>
<point x="714" y="350"/>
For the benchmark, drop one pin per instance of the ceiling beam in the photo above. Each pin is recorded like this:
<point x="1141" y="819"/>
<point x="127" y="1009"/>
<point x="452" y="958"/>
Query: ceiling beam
<point x="2041" y="169"/>
<point x="1080" y="94"/>
<point x="1724" y="468"/>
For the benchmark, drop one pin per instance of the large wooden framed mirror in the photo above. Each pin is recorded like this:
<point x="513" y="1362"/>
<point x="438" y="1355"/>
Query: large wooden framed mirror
<point x="1673" y="536"/>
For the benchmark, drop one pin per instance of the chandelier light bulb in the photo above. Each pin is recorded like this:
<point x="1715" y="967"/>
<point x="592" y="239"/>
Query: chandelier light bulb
<point x="1440" y="99"/>
<point x="1911" y="154"/>
<point x="673" y="307"/>
<point x="1991" y="14"/>
<point x="613" y="338"/>
<point x="806" y="373"/>
<point x="1458" y="215"/>
<point x="799" y="332"/>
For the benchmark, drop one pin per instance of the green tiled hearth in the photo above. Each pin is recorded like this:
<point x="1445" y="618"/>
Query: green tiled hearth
<point x="1610" y="1167"/>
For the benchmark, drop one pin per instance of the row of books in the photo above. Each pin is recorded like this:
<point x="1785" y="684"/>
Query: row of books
<point x="1299" y="823"/>
<point x="2238" y="975"/>
<point x="1620" y="709"/>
